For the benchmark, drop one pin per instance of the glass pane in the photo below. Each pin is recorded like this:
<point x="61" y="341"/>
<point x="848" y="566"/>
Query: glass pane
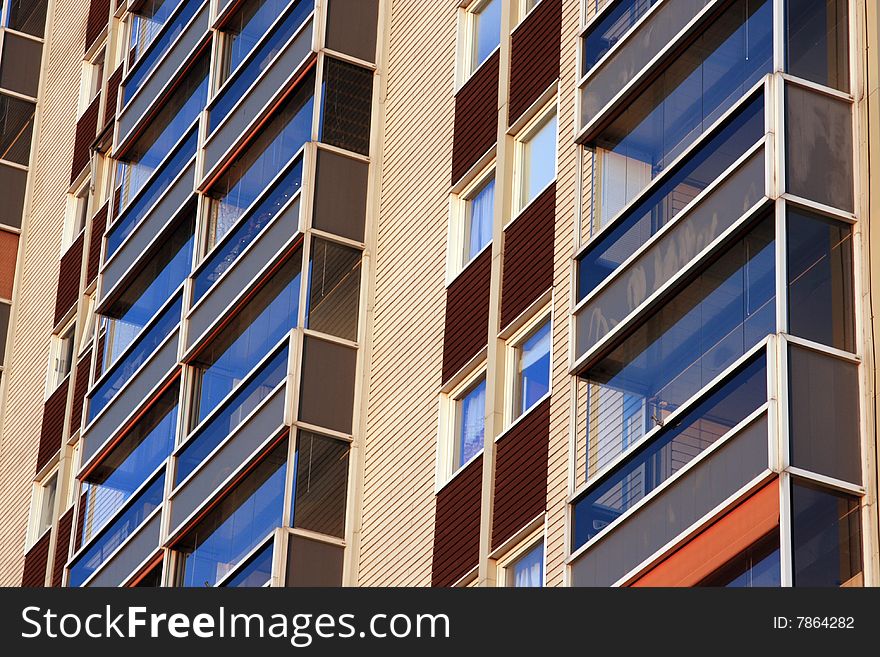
<point x="673" y="447"/>
<point x="538" y="161"/>
<point x="820" y="279"/>
<point x="147" y="22"/>
<point x="486" y="32"/>
<point x="20" y="64"/>
<point x="13" y="182"/>
<point x="533" y="369"/>
<point x="313" y="563"/>
<point x="656" y="210"/>
<point x="240" y="44"/>
<point x="237" y="524"/>
<point x="819" y="147"/>
<point x="327" y="401"/>
<point x="257" y="572"/>
<point x="47" y="503"/>
<point x="125" y="525"/>
<point x="16" y="128"/>
<point x="528" y="570"/>
<point x="112" y="483"/>
<point x="470" y="424"/>
<point x="690" y="340"/>
<point x="267" y="154"/>
<point x="248" y="337"/>
<point x="347" y="107"/>
<point x="245" y="400"/>
<point x="824" y="414"/>
<point x="28" y="16"/>
<point x="758" y="566"/>
<point x="321" y="487"/>
<point x="613" y="26"/>
<point x="817" y="41"/>
<point x="334" y="289"/>
<point x="480" y="213"/>
<point x="826" y="536"/>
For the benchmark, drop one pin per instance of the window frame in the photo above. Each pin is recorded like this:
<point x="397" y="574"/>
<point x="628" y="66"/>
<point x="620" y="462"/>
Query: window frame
<point x="79" y="211"/>
<point x="505" y="565"/>
<point x="467" y="64"/>
<point x="522" y="138"/>
<point x="449" y="424"/>
<point x="457" y="260"/>
<point x="38" y="492"/>
<point x="56" y="347"/>
<point x="514" y="348"/>
<point x="523" y="10"/>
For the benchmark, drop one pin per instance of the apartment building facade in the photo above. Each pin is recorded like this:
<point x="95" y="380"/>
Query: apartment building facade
<point x="488" y="293"/>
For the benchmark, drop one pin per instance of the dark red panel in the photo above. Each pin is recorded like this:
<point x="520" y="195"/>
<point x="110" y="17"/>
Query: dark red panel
<point x="467" y="315"/>
<point x="99" y="225"/>
<point x="35" y="563"/>
<point x="80" y="387"/>
<point x="457" y="526"/>
<point x="61" y="547"/>
<point x="99" y="15"/>
<point x="476" y="118"/>
<point x="68" y="278"/>
<point x="527" y="271"/>
<point x="52" y="430"/>
<point x="112" y="94"/>
<point x="534" y="56"/>
<point x="86" y="131"/>
<point x="521" y="474"/>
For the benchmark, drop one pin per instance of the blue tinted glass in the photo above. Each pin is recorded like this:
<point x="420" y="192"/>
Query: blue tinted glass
<point x="243" y="79"/>
<point x="487" y="31"/>
<point x="276" y="145"/>
<point x="643" y="220"/>
<point x="481" y="211"/>
<point x="729" y="56"/>
<point x="247" y="231"/>
<point x="144" y="347"/>
<point x="124" y="526"/>
<point x="473" y="424"/>
<point x="534" y="368"/>
<point x="671" y="449"/>
<point x="137" y="211"/>
<point x="256" y="573"/>
<point x="612" y="27"/>
<point x="147" y="22"/>
<point x="539" y="161"/>
<point x="160" y="45"/>
<point x="241" y="521"/>
<point x="236" y="409"/>
<point x="528" y="572"/>
<point x="249" y="337"/>
<point x="118" y="476"/>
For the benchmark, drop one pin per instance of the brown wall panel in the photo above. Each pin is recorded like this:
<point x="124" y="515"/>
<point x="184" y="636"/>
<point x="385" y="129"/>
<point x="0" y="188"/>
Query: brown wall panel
<point x="80" y="387"/>
<point x="536" y="47"/>
<point x="528" y="256"/>
<point x="35" y="562"/>
<point x="61" y="547"/>
<point x="68" y="278"/>
<point x="457" y="526"/>
<point x="86" y="131"/>
<point x="8" y="256"/>
<point x="112" y="95"/>
<point x="52" y="430"/>
<point x="521" y="474"/>
<point x="99" y="15"/>
<point x="99" y="225"/>
<point x="467" y="315"/>
<point x="476" y="118"/>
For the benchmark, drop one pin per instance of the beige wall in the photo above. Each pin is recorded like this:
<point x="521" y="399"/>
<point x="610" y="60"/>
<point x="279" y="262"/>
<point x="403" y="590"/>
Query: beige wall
<point x="36" y="279"/>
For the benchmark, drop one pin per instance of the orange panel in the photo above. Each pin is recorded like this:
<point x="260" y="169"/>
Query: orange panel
<point x="8" y="254"/>
<point x="720" y="542"/>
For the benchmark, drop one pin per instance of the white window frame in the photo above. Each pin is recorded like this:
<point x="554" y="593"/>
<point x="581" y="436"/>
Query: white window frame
<point x="75" y="201"/>
<point x="456" y="260"/>
<point x="53" y="379"/>
<point x="513" y="347"/>
<point x="466" y="37"/>
<point x="523" y="9"/>
<point x="446" y="469"/>
<point x="90" y="319"/>
<point x="522" y="138"/>
<point x="506" y="563"/>
<point x="38" y="492"/>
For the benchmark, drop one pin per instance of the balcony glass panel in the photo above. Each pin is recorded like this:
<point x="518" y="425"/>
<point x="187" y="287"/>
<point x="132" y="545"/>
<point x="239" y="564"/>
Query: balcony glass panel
<point x="817" y="41"/>
<point x="120" y="529"/>
<point x="639" y="223"/>
<point x="237" y="524"/>
<point x="234" y="411"/>
<point x="248" y="337"/>
<point x="28" y="16"/>
<point x="146" y="23"/>
<point x="321" y="484"/>
<point x="727" y="58"/>
<point x="690" y="340"/>
<point x="673" y="447"/>
<point x="138" y="210"/>
<point x="348" y="106"/>
<point x="256" y="219"/>
<point x="112" y="483"/>
<point x="611" y="28"/>
<point x="141" y="299"/>
<point x="334" y="289"/>
<point x="252" y="171"/>
<point x="159" y="46"/>
<point x="257" y="572"/>
<point x="161" y="134"/>
<point x="16" y="129"/>
<point x="140" y="351"/>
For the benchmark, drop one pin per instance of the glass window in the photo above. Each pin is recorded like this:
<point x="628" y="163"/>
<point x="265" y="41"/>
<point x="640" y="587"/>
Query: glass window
<point x="28" y="16"/>
<point x="80" y="212"/>
<point x="470" y="423"/>
<point x="248" y="337"/>
<point x="611" y="28"/>
<point x="256" y="572"/>
<point x="820" y="279"/>
<point x="237" y="524"/>
<point x="532" y="369"/>
<point x="826" y="536"/>
<point x="528" y="570"/>
<point x="16" y="128"/>
<point x="817" y="41"/>
<point x="334" y="289"/>
<point x="537" y="165"/>
<point x="253" y="170"/>
<point x="321" y="487"/>
<point x="20" y="63"/>
<point x="110" y="485"/>
<point x="146" y="22"/>
<point x="478" y="219"/>
<point x="485" y="31"/>
<point x="758" y="566"/>
<point x="63" y="355"/>
<point x="47" y="503"/>
<point x="347" y="107"/>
